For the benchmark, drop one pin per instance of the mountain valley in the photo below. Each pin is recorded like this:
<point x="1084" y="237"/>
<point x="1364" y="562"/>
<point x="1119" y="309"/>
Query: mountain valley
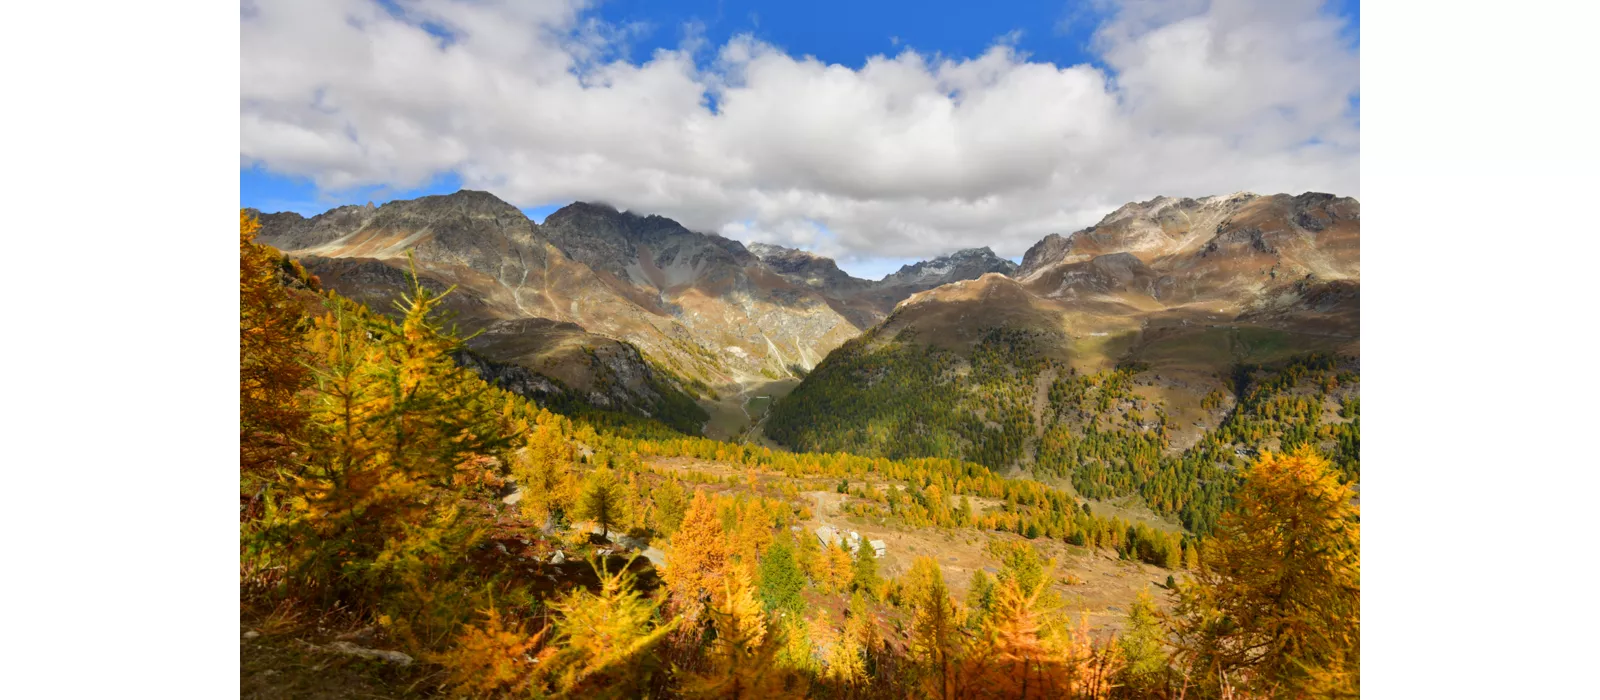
<point x="1053" y="440"/>
<point x="614" y="311"/>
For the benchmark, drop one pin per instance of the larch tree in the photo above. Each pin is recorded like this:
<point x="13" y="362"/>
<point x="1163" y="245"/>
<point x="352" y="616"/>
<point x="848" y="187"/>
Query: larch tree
<point x="393" y="423"/>
<point x="603" y="500"/>
<point x="1143" y="645"/>
<point x="1017" y="661"/>
<point x="272" y="363"/>
<point x="491" y="657"/>
<point x="697" y="556"/>
<point x="604" y="640"/>
<point x="641" y="509"/>
<point x="809" y="555"/>
<point x="840" y="569"/>
<point x="544" y="476"/>
<point x="935" y="643"/>
<point x="1025" y="649"/>
<point x="862" y="624"/>
<point x="844" y="660"/>
<point x="752" y="532"/>
<point x="670" y="504"/>
<point x="980" y="599"/>
<point x="1275" y="605"/>
<point x="744" y="650"/>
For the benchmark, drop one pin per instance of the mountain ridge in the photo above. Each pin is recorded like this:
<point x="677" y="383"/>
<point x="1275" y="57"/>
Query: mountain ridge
<point x="706" y="311"/>
<point x="1177" y="298"/>
<point x="703" y="309"/>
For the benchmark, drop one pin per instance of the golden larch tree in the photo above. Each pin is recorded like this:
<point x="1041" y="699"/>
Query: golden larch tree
<point x="604" y="641"/>
<point x="272" y="363"/>
<point x="1275" y="605"/>
<point x="743" y="653"/>
<point x="544" y="475"/>
<point x="936" y="641"/>
<point x="697" y="556"/>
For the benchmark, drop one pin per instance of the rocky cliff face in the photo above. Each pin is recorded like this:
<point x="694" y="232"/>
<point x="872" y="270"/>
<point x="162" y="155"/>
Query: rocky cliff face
<point x="756" y="322"/>
<point x="560" y="363"/>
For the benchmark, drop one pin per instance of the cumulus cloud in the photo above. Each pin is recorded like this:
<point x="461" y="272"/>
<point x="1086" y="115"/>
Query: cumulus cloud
<point x="907" y="155"/>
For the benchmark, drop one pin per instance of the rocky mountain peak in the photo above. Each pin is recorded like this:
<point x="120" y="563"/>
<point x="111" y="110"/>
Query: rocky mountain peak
<point x="965" y="264"/>
<point x="471" y="201"/>
<point x="1048" y="250"/>
<point x="606" y="238"/>
<point x="772" y="250"/>
<point x="809" y="269"/>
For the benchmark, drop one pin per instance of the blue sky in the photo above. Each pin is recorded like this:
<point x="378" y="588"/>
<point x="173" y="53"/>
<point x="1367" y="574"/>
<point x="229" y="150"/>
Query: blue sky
<point x="844" y="33"/>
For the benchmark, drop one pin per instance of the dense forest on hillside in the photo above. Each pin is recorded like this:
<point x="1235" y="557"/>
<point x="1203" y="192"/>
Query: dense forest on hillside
<point x="454" y="539"/>
<point x="673" y="405"/>
<point x="902" y="399"/>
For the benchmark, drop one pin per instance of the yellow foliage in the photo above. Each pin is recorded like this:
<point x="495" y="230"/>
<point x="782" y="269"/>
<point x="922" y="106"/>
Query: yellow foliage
<point x="1276" y="602"/>
<point x="840" y="569"/>
<point x="843" y="658"/>
<point x="1026" y="653"/>
<point x="936" y="643"/>
<point x="696" y="558"/>
<point x="744" y="652"/>
<point x="272" y="370"/>
<point x="492" y="658"/>
<point x="543" y="470"/>
<point x="605" y="639"/>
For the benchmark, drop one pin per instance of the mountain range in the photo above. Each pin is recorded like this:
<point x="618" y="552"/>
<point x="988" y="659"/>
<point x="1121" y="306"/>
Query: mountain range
<point x="1140" y="362"/>
<point x="618" y="310"/>
<point x="639" y="314"/>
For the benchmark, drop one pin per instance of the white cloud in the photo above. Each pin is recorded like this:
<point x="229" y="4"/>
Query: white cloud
<point x="904" y="156"/>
